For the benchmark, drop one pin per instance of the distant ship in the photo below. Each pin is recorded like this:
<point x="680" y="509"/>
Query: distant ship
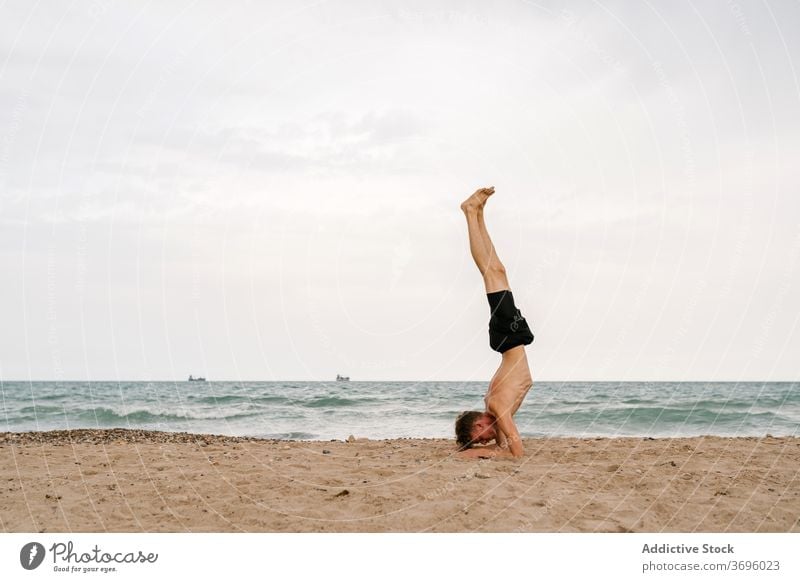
<point x="198" y="379"/>
<point x="342" y="378"/>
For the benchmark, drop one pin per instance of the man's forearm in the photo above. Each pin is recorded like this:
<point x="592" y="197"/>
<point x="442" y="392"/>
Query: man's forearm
<point x="505" y="424"/>
<point x="515" y="446"/>
<point x="504" y="453"/>
<point x="501" y="439"/>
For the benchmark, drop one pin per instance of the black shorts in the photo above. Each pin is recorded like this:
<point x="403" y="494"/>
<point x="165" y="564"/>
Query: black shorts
<point x="507" y="327"/>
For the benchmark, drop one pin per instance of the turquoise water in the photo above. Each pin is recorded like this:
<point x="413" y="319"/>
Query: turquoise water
<point x="334" y="410"/>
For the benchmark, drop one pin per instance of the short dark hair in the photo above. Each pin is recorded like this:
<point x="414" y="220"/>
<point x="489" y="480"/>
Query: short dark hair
<point x="464" y="423"/>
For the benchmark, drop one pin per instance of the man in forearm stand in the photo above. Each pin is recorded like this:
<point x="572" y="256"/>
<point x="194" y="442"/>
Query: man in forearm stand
<point x="508" y="334"/>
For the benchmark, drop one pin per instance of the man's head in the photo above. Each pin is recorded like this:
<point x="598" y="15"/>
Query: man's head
<point x="474" y="427"/>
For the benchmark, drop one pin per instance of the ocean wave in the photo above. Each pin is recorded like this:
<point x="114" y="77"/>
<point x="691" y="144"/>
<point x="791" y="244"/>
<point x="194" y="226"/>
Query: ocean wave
<point x="105" y="415"/>
<point x="48" y="397"/>
<point x="334" y="402"/>
<point x="237" y="398"/>
<point x="40" y="409"/>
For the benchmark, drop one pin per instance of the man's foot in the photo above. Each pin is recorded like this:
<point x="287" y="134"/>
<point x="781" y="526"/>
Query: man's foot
<point x="477" y="200"/>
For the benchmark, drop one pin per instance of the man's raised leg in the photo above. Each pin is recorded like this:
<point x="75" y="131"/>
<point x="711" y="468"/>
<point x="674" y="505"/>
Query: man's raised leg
<point x="480" y="244"/>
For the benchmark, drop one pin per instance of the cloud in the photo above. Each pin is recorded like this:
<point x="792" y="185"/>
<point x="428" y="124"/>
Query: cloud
<point x="329" y="141"/>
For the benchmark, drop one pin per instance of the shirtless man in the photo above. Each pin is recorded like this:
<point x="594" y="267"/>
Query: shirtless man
<point x="508" y="334"/>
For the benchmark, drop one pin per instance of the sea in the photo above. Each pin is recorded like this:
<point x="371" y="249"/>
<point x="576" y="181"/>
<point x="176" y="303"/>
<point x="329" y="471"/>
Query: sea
<point x="378" y="410"/>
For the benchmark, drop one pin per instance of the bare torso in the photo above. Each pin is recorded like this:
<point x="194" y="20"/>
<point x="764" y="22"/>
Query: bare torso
<point x="510" y="384"/>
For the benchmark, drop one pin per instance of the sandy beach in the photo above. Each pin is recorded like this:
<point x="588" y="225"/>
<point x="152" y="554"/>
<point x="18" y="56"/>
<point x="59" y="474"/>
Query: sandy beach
<point x="144" y="481"/>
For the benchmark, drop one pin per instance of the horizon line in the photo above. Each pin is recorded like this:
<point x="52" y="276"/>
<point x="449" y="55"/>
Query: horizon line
<point x="375" y="380"/>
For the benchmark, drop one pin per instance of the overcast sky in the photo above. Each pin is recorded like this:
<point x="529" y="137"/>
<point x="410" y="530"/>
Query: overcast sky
<point x="272" y="192"/>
